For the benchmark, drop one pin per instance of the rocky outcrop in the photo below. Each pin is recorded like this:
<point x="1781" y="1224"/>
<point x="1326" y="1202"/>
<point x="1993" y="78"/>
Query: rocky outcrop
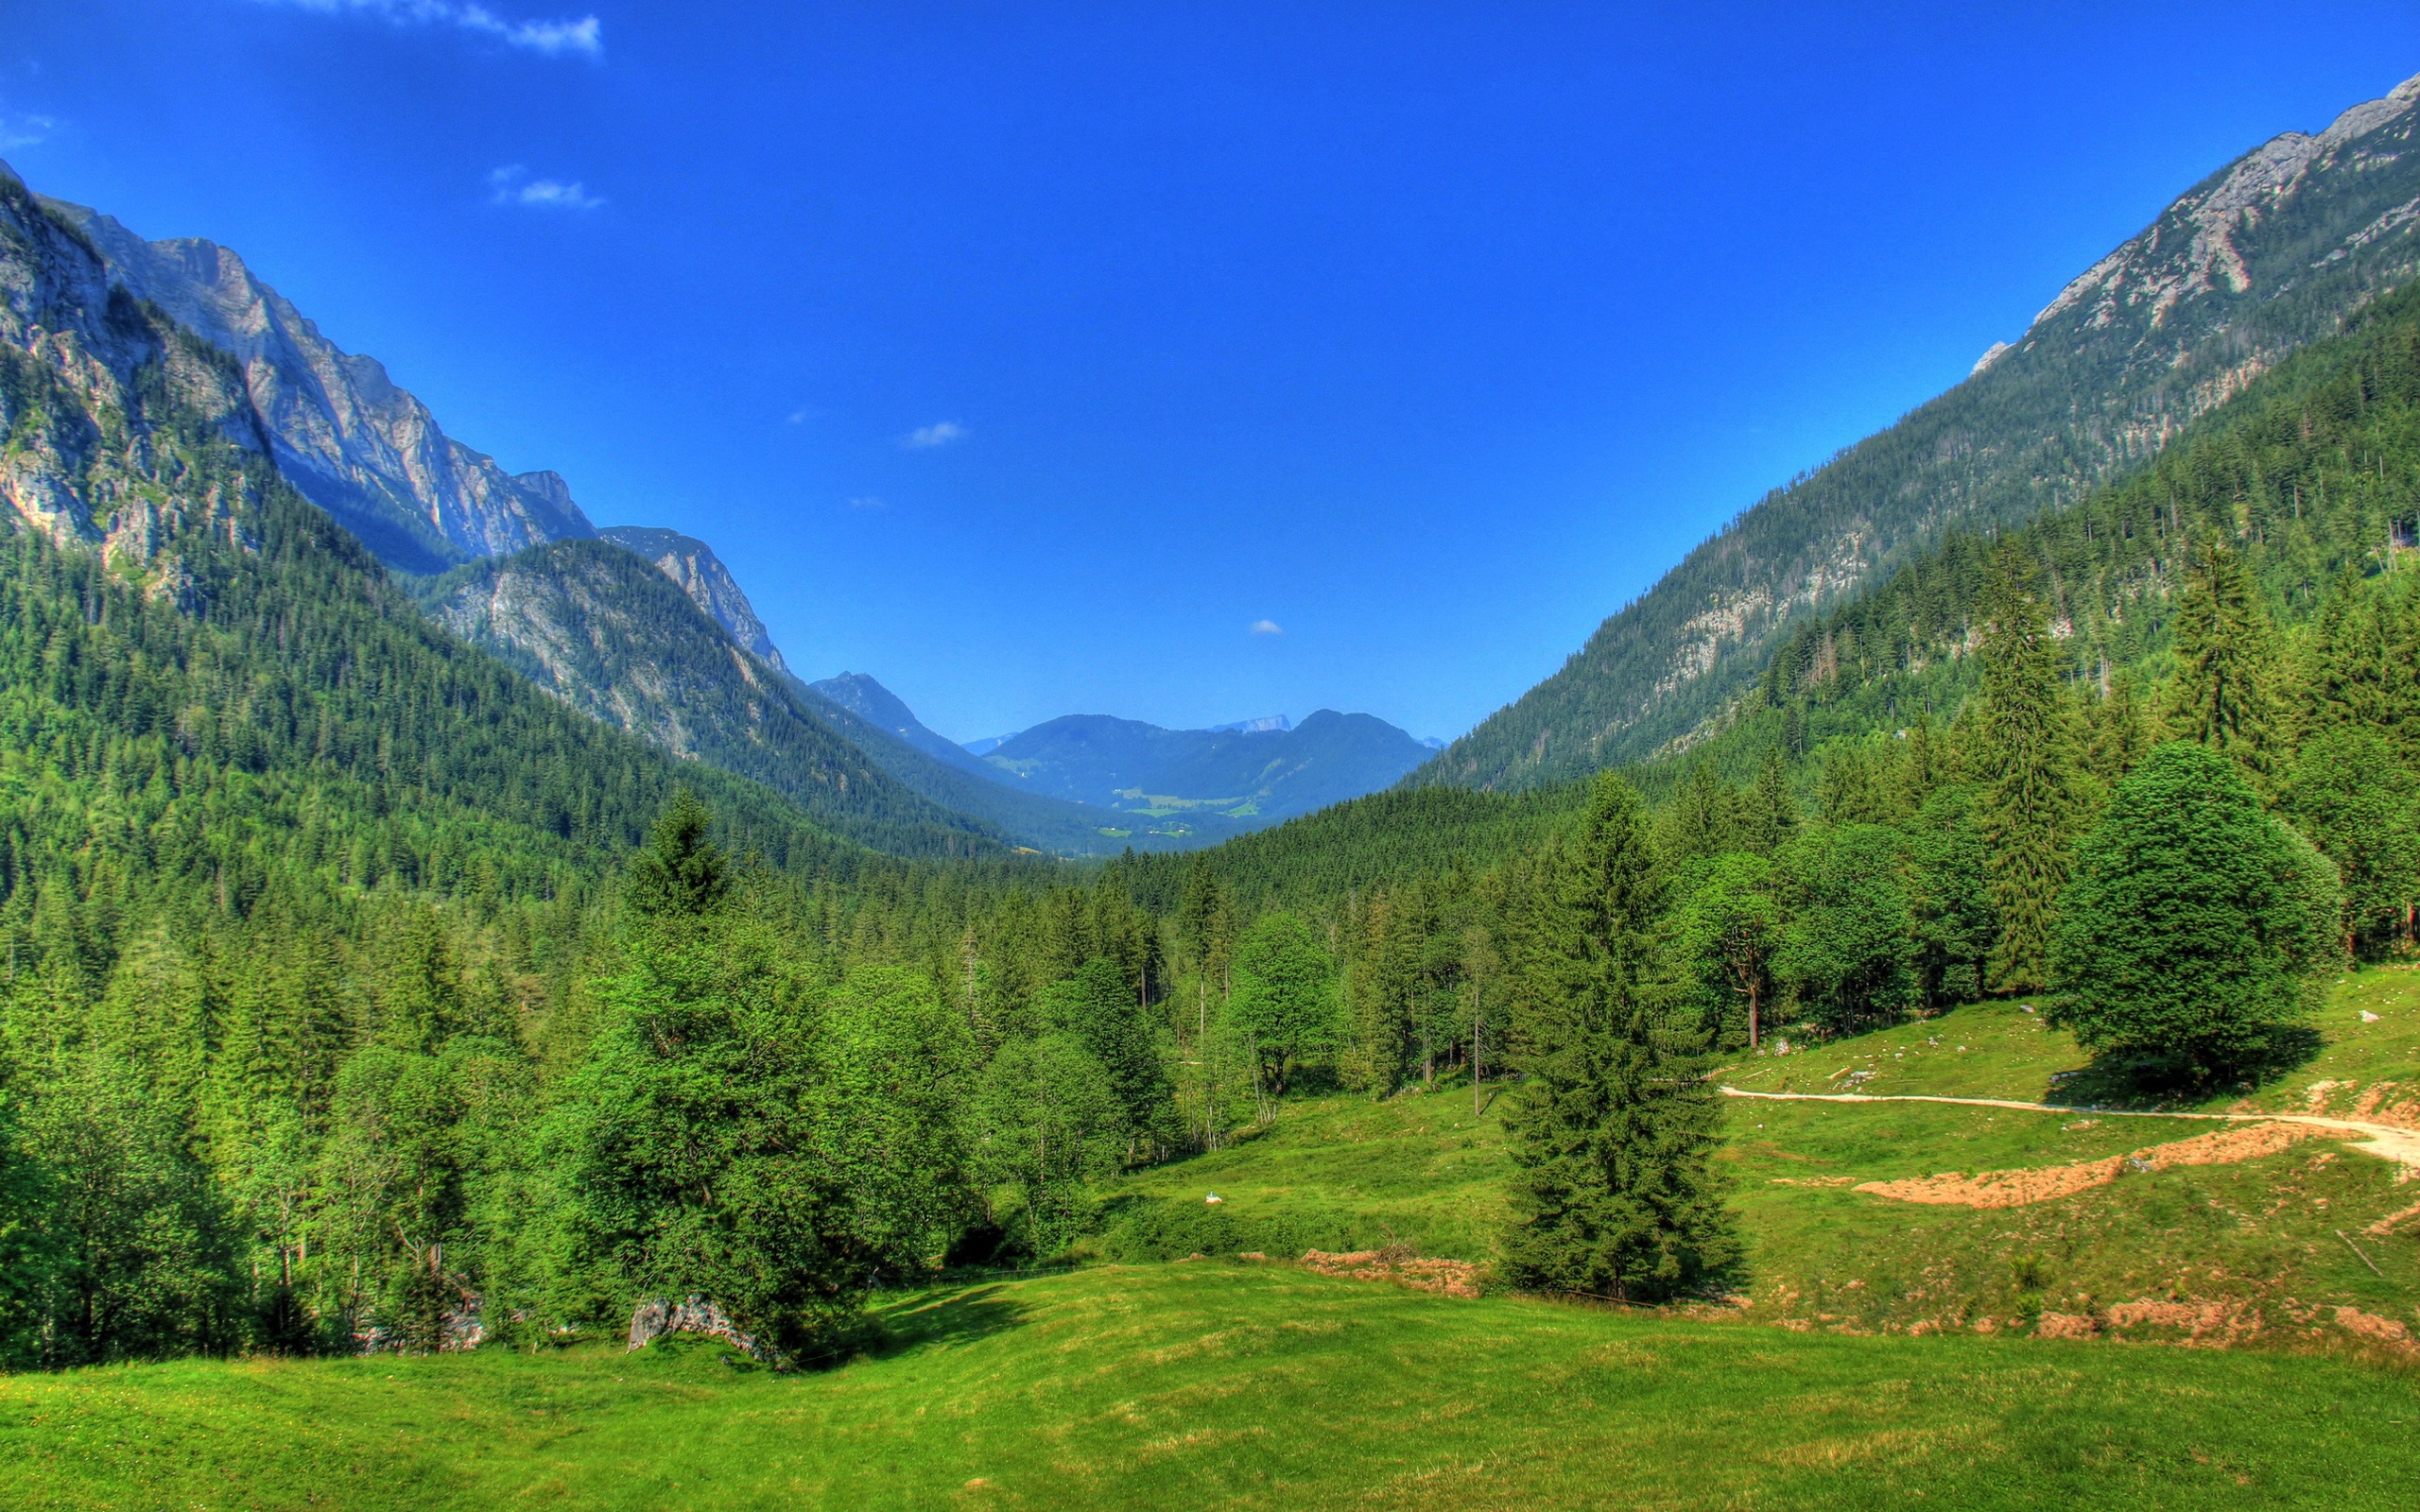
<point x="343" y="433"/>
<point x="654" y="1319"/>
<point x="693" y="565"/>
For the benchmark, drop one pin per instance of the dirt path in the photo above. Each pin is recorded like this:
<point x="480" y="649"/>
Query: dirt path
<point x="2401" y="1145"/>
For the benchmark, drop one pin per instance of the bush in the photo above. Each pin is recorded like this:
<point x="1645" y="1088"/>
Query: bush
<point x="1170" y="1229"/>
<point x="2192" y="934"/>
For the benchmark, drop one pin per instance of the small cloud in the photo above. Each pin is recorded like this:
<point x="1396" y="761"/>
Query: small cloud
<point x="25" y="131"/>
<point x="513" y="185"/>
<point x="796" y="417"/>
<point x="869" y="502"/>
<point x="584" y="36"/>
<point x="940" y="434"/>
<point x="1266" y="627"/>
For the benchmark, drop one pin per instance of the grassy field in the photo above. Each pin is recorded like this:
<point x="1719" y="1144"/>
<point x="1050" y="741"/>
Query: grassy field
<point x="1977" y="1357"/>
<point x="1224" y="1385"/>
<point x="2260" y="1249"/>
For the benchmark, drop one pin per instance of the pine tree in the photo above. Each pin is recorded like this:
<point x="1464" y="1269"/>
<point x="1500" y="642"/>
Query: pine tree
<point x="679" y="872"/>
<point x="2023" y="750"/>
<point x="1702" y="819"/>
<point x="1769" y="816"/>
<point x="2225" y="691"/>
<point x="1616" y="1192"/>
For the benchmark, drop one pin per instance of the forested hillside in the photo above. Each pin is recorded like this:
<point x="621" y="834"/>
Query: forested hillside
<point x="616" y="638"/>
<point x="2276" y="249"/>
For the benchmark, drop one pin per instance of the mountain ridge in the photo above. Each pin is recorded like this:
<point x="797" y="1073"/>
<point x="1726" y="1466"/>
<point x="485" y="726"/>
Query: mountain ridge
<point x="2271" y="250"/>
<point x="349" y="437"/>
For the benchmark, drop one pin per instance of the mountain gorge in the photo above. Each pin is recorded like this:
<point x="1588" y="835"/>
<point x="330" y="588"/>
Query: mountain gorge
<point x="2272" y="252"/>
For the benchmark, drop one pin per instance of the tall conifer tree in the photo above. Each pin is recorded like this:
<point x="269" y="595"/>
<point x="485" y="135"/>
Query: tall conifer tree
<point x="2024" y="752"/>
<point x="2225" y="691"/>
<point x="1616" y="1192"/>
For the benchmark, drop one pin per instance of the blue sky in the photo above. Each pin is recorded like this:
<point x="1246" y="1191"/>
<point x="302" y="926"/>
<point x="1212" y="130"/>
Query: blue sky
<point x="1186" y="362"/>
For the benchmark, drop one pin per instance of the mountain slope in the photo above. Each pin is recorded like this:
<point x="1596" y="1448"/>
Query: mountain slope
<point x="693" y="565"/>
<point x="1259" y="774"/>
<point x="2272" y="252"/>
<point x="878" y="706"/>
<point x="2312" y="474"/>
<point x="615" y="637"/>
<point x="208" y="687"/>
<point x="354" y="444"/>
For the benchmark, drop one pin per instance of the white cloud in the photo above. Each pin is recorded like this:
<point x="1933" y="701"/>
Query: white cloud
<point x="941" y="433"/>
<point x="551" y="39"/>
<point x="23" y="131"/>
<point x="869" y="502"/>
<point x="513" y="185"/>
<point x="1266" y="627"/>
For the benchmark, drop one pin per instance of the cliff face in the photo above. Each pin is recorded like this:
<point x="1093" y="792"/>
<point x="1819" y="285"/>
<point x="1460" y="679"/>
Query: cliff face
<point x="341" y="431"/>
<point x="102" y="408"/>
<point x="693" y="567"/>
<point x="2270" y="253"/>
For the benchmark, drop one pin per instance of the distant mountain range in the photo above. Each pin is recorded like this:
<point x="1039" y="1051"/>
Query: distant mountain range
<point x="2267" y="254"/>
<point x="1265" y="770"/>
<point x="646" y="628"/>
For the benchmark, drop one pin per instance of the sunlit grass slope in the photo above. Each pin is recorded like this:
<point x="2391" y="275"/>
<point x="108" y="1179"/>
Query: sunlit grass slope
<point x="1218" y="1384"/>
<point x="2262" y="1249"/>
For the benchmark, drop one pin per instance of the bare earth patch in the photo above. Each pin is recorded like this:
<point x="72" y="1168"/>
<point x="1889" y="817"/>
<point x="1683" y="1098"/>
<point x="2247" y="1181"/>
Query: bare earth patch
<point x="2013" y="1189"/>
<point x="1448" y="1277"/>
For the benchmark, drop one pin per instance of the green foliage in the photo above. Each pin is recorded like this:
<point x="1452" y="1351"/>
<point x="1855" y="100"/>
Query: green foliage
<point x="2225" y="691"/>
<point x="1048" y="1122"/>
<point x="1728" y="928"/>
<point x="1285" y="999"/>
<point x="1616" y="1192"/>
<point x="698" y="1139"/>
<point x="2360" y="805"/>
<point x="679" y="872"/>
<point x="1953" y="918"/>
<point x="2024" y="751"/>
<point x="2196" y="926"/>
<point x="1845" y="951"/>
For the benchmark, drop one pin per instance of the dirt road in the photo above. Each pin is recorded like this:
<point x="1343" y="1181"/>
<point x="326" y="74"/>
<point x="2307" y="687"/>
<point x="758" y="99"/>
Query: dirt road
<point x="2385" y="1141"/>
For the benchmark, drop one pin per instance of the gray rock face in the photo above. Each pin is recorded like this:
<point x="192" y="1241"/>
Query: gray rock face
<point x="653" y="1319"/>
<point x="341" y="431"/>
<point x="83" y="463"/>
<point x="692" y="564"/>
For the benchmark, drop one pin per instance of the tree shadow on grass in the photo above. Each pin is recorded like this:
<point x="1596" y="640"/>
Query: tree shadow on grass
<point x="2151" y="1083"/>
<point x="949" y="1315"/>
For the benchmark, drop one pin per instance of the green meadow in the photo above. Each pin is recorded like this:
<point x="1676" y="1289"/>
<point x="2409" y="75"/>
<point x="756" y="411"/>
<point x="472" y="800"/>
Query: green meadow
<point x="1219" y="1383"/>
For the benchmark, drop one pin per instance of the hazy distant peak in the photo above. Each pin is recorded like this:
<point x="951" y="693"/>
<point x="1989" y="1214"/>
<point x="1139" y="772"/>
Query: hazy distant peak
<point x="1253" y="727"/>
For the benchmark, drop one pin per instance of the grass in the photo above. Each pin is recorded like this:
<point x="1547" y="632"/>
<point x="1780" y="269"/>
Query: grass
<point x="2253" y="1250"/>
<point x="1220" y="1384"/>
<point x="1894" y="1378"/>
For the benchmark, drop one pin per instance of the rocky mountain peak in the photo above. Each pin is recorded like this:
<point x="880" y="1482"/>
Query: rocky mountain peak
<point x="2194" y="246"/>
<point x="343" y="431"/>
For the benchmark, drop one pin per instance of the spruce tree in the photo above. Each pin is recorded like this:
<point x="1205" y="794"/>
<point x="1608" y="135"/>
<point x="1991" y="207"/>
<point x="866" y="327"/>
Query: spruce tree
<point x="1615" y="1193"/>
<point x="2225" y="691"/>
<point x="2023" y="751"/>
<point x="1768" y="814"/>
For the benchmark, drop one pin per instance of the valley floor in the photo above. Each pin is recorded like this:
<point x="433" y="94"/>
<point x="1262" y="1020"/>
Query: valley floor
<point x="1968" y="1298"/>
<point x="1222" y="1383"/>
